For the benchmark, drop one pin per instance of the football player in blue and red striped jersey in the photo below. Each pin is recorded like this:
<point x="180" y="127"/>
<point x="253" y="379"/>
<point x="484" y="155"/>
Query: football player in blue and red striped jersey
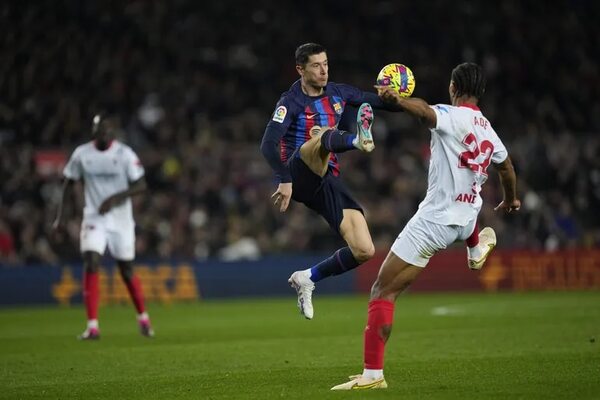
<point x="300" y="143"/>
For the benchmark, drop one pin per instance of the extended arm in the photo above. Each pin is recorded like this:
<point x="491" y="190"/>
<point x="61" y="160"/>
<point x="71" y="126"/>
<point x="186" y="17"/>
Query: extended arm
<point x="508" y="180"/>
<point x="134" y="188"/>
<point x="414" y="106"/>
<point x="377" y="103"/>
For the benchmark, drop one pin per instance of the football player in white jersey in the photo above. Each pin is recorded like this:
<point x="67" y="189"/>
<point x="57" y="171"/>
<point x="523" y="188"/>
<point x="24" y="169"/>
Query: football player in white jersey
<point x="111" y="173"/>
<point x="463" y="143"/>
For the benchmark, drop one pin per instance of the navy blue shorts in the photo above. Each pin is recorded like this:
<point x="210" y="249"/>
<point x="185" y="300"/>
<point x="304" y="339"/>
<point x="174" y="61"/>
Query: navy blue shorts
<point x="327" y="195"/>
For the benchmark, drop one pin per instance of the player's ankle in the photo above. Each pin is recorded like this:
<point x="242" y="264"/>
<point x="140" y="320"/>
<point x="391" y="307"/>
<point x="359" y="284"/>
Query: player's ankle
<point x="143" y="316"/>
<point x="93" y="324"/>
<point x="374" y="374"/>
<point x="474" y="252"/>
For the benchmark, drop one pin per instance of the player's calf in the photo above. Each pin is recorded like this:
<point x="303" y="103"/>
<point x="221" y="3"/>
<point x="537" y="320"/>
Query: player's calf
<point x="314" y="155"/>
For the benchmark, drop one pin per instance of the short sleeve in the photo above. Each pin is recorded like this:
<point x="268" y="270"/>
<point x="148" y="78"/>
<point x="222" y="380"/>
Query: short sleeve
<point x="135" y="169"/>
<point x="443" y="118"/>
<point x="73" y="168"/>
<point x="500" y="153"/>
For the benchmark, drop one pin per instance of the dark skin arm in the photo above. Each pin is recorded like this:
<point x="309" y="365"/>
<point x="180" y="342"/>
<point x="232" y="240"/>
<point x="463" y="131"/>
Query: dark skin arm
<point x="136" y="187"/>
<point x="508" y="180"/>
<point x="413" y="105"/>
<point x="66" y="192"/>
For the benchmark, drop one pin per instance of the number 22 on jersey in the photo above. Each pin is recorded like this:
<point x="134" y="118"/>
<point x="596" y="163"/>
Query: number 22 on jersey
<point x="472" y="157"/>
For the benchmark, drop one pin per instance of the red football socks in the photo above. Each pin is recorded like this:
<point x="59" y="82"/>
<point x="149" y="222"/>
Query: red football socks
<point x="134" y="286"/>
<point x="381" y="317"/>
<point x="473" y="240"/>
<point x="91" y="294"/>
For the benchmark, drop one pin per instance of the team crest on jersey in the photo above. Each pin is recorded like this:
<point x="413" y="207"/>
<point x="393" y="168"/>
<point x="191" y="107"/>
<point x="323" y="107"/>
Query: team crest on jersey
<point x="442" y="108"/>
<point x="279" y="114"/>
<point x="337" y="107"/>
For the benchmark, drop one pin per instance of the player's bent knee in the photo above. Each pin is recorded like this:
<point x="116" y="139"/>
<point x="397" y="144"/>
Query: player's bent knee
<point x="126" y="270"/>
<point x="364" y="253"/>
<point x="91" y="261"/>
<point x="389" y="290"/>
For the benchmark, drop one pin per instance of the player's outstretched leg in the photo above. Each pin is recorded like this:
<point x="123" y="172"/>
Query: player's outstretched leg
<point x="134" y="286"/>
<point x="478" y="254"/>
<point x="91" y="295"/>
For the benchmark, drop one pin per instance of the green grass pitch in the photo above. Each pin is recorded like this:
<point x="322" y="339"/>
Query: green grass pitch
<point x="443" y="346"/>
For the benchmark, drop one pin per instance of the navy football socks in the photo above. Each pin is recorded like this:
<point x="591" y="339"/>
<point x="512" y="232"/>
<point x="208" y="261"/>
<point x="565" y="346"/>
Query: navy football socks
<point x="337" y="141"/>
<point x="339" y="262"/>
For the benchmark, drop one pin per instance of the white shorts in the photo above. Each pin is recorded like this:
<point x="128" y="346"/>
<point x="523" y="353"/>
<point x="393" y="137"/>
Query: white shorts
<point x="95" y="236"/>
<point x="421" y="239"/>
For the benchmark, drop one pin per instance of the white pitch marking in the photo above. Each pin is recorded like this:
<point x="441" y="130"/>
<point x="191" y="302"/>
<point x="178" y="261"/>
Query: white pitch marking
<point x="443" y="311"/>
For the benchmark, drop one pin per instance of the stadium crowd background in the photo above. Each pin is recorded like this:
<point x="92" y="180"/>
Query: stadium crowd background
<point x="194" y="84"/>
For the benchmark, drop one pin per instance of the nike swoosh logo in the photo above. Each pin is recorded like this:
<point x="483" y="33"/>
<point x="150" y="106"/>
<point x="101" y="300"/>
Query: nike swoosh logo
<point x="356" y="386"/>
<point x="310" y="116"/>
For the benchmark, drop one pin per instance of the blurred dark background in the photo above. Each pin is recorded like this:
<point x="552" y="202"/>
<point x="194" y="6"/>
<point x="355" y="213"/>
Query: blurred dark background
<point x="194" y="84"/>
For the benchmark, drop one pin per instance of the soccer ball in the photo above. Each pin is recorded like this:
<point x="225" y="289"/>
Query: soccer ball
<point x="399" y="77"/>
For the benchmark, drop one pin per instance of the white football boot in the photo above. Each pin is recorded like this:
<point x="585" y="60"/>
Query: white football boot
<point x="300" y="280"/>
<point x="357" y="382"/>
<point x="487" y="242"/>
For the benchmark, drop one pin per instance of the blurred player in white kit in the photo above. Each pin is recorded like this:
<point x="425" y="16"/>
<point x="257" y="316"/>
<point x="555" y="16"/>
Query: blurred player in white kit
<point x="111" y="173"/>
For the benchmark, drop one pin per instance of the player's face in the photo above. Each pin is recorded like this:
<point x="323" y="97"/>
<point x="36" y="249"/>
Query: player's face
<point x="104" y="132"/>
<point x="316" y="71"/>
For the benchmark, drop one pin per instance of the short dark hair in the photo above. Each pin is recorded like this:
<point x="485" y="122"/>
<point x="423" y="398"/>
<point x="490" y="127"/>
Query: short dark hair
<point x="469" y="80"/>
<point x="306" y="50"/>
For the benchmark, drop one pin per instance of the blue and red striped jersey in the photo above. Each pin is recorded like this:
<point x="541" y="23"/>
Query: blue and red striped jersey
<point x="296" y="113"/>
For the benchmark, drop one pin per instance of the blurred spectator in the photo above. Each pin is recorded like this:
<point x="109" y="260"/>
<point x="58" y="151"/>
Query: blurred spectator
<point x="8" y="253"/>
<point x="194" y="99"/>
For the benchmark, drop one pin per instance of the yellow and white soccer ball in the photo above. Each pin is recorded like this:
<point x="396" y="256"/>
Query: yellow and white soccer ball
<point x="399" y="77"/>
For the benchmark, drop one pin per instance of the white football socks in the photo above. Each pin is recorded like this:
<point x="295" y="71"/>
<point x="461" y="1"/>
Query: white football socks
<point x="373" y="374"/>
<point x="143" y="316"/>
<point x="92" y="324"/>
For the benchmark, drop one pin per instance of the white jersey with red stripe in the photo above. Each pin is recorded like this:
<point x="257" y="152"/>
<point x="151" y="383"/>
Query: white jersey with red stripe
<point x="105" y="173"/>
<point x="462" y="145"/>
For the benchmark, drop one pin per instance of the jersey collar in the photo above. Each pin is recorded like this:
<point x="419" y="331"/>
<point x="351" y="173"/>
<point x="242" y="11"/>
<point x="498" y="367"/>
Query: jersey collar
<point x="471" y="106"/>
<point x="107" y="148"/>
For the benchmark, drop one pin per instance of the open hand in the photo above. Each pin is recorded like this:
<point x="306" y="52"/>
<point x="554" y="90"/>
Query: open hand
<point x="509" y="206"/>
<point x="388" y="94"/>
<point x="282" y="196"/>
